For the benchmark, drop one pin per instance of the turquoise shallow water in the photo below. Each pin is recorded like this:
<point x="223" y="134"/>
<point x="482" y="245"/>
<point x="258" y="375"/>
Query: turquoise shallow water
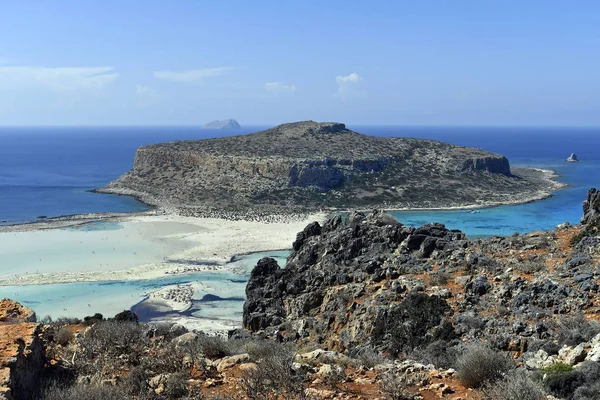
<point x="109" y="298"/>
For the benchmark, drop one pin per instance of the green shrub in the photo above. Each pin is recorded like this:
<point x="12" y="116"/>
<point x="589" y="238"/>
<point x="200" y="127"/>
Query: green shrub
<point x="558" y="368"/>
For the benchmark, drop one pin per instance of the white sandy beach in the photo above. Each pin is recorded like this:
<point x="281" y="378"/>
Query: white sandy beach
<point x="137" y="247"/>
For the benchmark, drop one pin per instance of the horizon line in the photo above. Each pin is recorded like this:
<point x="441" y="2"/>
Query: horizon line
<point x="201" y="126"/>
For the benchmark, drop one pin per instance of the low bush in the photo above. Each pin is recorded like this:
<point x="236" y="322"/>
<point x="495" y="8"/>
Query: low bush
<point x="395" y="387"/>
<point x="113" y="338"/>
<point x="587" y="392"/>
<point x="480" y="365"/>
<point x="576" y="329"/>
<point x="213" y="346"/>
<point x="440" y="353"/>
<point x="513" y="386"/>
<point x="136" y="383"/>
<point x="92" y="319"/>
<point x="273" y="375"/>
<point x="63" y="336"/>
<point x="175" y="386"/>
<point x="438" y="278"/>
<point x="582" y="381"/>
<point x="366" y="356"/>
<point x="126" y="316"/>
<point x="79" y="392"/>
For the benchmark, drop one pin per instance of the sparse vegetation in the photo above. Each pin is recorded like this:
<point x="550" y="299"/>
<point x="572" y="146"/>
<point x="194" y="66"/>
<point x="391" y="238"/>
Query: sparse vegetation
<point x="273" y="374"/>
<point x="513" y="386"/>
<point x="575" y="329"/>
<point x="480" y="365"/>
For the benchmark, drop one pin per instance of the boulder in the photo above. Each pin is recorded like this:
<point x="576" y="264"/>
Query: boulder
<point x="572" y="355"/>
<point x="228" y="362"/>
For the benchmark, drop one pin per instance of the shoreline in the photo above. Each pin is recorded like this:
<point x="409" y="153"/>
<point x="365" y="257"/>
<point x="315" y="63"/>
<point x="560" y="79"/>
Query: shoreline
<point x="62" y="221"/>
<point x="180" y="245"/>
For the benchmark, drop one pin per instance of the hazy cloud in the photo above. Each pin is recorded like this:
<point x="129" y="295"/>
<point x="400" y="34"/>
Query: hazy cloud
<point x="193" y="75"/>
<point x="143" y="89"/>
<point x="278" y="87"/>
<point x="348" y="86"/>
<point x="59" y="79"/>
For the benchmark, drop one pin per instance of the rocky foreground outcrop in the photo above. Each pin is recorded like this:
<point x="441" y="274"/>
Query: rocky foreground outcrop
<point x="22" y="355"/>
<point x="309" y="166"/>
<point x="371" y="281"/>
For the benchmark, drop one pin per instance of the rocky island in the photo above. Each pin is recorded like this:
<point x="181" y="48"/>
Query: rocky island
<point x="222" y="124"/>
<point x="307" y="166"/>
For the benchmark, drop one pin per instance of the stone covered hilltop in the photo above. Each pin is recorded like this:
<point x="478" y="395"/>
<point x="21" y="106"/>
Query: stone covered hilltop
<point x="307" y="166"/>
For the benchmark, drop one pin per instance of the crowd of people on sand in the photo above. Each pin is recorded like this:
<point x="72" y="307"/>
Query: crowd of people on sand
<point x="189" y="269"/>
<point x="245" y="215"/>
<point x="179" y="294"/>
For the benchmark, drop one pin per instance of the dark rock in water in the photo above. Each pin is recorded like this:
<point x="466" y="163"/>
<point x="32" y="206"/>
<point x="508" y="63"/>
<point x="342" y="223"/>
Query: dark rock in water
<point x="222" y="124"/>
<point x="573" y="158"/>
<point x="211" y="297"/>
<point x="42" y="216"/>
<point x="591" y="208"/>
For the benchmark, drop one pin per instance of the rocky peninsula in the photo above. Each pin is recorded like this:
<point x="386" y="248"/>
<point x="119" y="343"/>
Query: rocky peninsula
<point x="308" y="166"/>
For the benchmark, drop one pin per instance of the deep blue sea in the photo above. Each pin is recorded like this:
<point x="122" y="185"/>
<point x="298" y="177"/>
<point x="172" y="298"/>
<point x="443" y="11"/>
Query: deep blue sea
<point x="47" y="171"/>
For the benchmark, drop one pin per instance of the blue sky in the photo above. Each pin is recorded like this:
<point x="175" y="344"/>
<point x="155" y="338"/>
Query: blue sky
<point x="454" y="62"/>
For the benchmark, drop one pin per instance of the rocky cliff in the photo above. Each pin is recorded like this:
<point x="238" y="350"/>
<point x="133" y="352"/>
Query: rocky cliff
<point x="309" y="165"/>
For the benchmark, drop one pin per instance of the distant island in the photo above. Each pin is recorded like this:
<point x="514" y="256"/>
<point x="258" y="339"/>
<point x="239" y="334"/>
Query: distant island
<point x="309" y="166"/>
<point x="222" y="124"/>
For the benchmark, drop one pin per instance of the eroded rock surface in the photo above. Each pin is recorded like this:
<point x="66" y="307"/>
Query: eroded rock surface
<point x="21" y="352"/>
